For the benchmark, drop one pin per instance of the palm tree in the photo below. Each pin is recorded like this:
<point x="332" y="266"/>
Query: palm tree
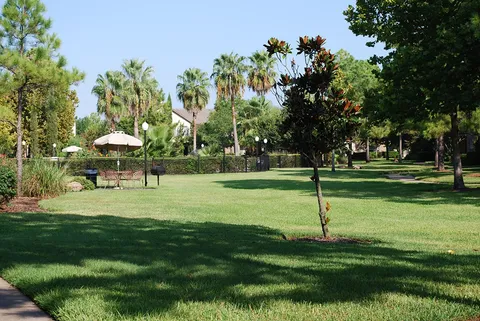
<point x="261" y="72"/>
<point x="139" y="90"/>
<point x="228" y="74"/>
<point x="192" y="91"/>
<point x="107" y="89"/>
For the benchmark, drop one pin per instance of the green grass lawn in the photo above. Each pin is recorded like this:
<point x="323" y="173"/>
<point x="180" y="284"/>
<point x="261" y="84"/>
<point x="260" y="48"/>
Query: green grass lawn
<point x="209" y="247"/>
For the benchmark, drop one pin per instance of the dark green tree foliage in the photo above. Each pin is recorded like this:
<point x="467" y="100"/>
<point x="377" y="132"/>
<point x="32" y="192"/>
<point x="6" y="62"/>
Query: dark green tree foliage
<point x="218" y="131"/>
<point x="316" y="115"/>
<point x="34" y="144"/>
<point x="28" y="59"/>
<point x="258" y="117"/>
<point x="90" y="128"/>
<point x="7" y="184"/>
<point x="51" y="130"/>
<point x="432" y="66"/>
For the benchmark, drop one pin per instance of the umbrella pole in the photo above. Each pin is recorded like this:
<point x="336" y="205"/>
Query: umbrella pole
<point x="118" y="166"/>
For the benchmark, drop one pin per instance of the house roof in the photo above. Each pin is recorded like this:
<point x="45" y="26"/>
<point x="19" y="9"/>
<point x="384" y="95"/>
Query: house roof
<point x="202" y="116"/>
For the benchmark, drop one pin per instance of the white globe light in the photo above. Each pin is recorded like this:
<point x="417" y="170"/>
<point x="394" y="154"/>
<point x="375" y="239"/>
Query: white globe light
<point x="257" y="138"/>
<point x="145" y="126"/>
<point x="54" y="145"/>
<point x="203" y="145"/>
<point x="265" y="140"/>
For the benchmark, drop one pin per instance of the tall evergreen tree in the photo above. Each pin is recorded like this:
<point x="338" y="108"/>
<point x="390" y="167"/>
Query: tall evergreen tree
<point x="228" y="74"/>
<point x="139" y="89"/>
<point x="28" y="59"/>
<point x="192" y="91"/>
<point x="432" y="65"/>
<point x="108" y="89"/>
<point x="261" y="72"/>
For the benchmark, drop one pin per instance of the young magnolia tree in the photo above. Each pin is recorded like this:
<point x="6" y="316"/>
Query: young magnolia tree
<point x="317" y="117"/>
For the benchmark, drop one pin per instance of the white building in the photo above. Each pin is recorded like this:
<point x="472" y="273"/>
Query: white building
<point x="184" y="119"/>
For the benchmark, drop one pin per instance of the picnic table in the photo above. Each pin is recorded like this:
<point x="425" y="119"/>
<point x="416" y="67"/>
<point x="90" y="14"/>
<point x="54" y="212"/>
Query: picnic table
<point x="120" y="176"/>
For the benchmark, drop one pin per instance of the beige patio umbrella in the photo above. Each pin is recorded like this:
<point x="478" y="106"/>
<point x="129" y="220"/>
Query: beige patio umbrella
<point x="71" y="149"/>
<point x="118" y="141"/>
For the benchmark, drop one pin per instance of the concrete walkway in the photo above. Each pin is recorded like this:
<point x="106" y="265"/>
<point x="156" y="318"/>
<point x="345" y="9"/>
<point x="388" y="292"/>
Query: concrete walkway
<point x="406" y="178"/>
<point x="15" y="306"/>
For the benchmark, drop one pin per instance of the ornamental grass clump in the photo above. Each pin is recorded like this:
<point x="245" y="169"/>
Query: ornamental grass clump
<point x="43" y="179"/>
<point x="8" y="183"/>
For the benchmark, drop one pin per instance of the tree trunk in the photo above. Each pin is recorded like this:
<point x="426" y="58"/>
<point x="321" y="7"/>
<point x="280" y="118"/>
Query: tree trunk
<point x="333" y="160"/>
<point x="194" y="123"/>
<point x="322" y="211"/>
<point x="112" y="125"/>
<point x="367" y="156"/>
<point x="436" y="152"/>
<point x="458" y="183"/>
<point x="19" y="142"/>
<point x="400" y="148"/>
<point x="441" y="153"/>
<point x="135" y="125"/>
<point x="350" y="154"/>
<point x="234" y="121"/>
<point x="321" y="160"/>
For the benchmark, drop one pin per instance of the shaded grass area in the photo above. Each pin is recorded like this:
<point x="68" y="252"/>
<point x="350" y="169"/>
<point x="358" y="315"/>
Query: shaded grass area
<point x="109" y="267"/>
<point x="206" y="247"/>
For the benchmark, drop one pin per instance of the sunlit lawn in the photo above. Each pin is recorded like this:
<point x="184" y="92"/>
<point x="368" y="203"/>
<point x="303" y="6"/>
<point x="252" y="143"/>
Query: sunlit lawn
<point x="209" y="247"/>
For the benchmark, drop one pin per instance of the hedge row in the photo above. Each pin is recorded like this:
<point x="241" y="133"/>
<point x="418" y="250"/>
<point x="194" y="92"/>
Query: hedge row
<point x="181" y="165"/>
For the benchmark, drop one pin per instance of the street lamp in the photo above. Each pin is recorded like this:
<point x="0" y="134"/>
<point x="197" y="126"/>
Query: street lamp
<point x="203" y="145"/>
<point x="145" y="127"/>
<point x="54" y="149"/>
<point x="265" y="141"/>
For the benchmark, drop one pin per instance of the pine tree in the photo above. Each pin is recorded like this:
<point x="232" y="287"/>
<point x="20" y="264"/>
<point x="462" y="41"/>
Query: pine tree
<point x="28" y="59"/>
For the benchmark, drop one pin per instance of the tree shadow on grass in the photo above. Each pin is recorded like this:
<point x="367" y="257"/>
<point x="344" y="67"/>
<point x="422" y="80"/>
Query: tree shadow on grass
<point x="145" y="266"/>
<point x="362" y="185"/>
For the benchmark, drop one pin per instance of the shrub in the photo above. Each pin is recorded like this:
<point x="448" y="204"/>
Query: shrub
<point x="87" y="184"/>
<point x="8" y="182"/>
<point x="43" y="179"/>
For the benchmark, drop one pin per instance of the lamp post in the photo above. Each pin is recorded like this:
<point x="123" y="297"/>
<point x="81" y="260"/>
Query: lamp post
<point x="145" y="127"/>
<point x="257" y="140"/>
<point x="265" y="141"/>
<point x="54" y="149"/>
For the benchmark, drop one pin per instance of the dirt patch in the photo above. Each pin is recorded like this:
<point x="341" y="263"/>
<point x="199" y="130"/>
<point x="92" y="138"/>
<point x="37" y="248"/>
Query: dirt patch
<point x="316" y="239"/>
<point x="22" y="204"/>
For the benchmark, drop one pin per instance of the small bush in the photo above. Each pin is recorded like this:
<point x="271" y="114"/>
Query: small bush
<point x="87" y="184"/>
<point x="8" y="182"/>
<point x="43" y="179"/>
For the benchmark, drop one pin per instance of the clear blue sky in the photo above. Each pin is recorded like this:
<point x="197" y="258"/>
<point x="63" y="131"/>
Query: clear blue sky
<point x="97" y="35"/>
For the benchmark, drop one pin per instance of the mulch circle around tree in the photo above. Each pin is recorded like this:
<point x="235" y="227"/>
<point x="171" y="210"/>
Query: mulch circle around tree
<point x="316" y="239"/>
<point x="22" y="204"/>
